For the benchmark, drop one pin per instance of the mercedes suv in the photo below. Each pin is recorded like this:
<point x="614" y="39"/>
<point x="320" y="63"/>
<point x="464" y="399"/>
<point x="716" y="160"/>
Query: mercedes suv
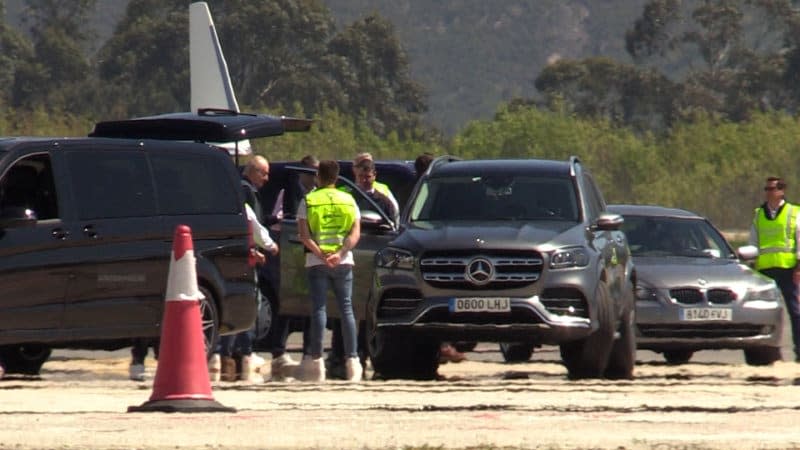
<point x="509" y="251"/>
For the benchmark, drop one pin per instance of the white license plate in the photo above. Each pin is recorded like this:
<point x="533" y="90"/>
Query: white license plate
<point x="693" y="314"/>
<point x="480" y="304"/>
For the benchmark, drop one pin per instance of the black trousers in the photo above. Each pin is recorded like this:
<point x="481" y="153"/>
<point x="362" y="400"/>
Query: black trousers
<point x="783" y="278"/>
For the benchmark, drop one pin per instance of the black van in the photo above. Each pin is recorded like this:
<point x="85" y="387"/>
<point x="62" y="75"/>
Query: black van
<point x="86" y="228"/>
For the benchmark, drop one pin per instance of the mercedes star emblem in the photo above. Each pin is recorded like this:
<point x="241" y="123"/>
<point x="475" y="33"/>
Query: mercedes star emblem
<point x="480" y="271"/>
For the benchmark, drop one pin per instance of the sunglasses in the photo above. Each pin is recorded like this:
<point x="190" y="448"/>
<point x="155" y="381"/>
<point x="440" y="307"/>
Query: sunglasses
<point x="770" y="188"/>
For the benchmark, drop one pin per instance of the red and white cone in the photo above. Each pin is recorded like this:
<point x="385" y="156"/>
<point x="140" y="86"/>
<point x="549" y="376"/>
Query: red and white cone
<point x="181" y="383"/>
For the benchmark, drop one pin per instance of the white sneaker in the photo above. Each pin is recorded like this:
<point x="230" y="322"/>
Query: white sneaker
<point x="257" y="362"/>
<point x="353" y="370"/>
<point x="215" y="367"/>
<point x="249" y="371"/>
<point x="311" y="369"/>
<point x="282" y="367"/>
<point x="136" y="372"/>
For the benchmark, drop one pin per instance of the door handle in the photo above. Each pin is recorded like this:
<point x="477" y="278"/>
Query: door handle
<point x="89" y="231"/>
<point x="60" y="233"/>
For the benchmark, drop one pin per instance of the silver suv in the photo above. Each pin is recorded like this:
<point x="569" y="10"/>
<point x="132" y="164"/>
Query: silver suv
<point x="508" y="251"/>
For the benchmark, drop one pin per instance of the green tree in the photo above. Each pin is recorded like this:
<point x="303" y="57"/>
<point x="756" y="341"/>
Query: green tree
<point x="283" y="55"/>
<point x="274" y="51"/>
<point x="369" y="63"/>
<point x="51" y="76"/>
<point x="14" y="51"/>
<point x="144" y="66"/>
<point x="606" y="89"/>
<point x="733" y="51"/>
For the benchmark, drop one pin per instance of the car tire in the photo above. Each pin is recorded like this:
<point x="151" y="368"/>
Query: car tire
<point x="210" y="320"/>
<point x="588" y="358"/>
<point x="516" y="352"/>
<point x="623" y="353"/>
<point x="264" y="319"/>
<point x="465" y="346"/>
<point x="678" y="357"/>
<point x="762" y="356"/>
<point x="26" y="359"/>
<point x="398" y="355"/>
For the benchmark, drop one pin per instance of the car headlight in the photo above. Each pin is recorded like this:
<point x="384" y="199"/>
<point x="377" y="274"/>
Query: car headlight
<point x="569" y="257"/>
<point x="645" y="293"/>
<point x="766" y="293"/>
<point x="394" y="258"/>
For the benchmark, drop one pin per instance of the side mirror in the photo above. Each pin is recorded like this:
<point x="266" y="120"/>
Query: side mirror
<point x="747" y="252"/>
<point x="609" y="222"/>
<point x="371" y="220"/>
<point x="17" y="217"/>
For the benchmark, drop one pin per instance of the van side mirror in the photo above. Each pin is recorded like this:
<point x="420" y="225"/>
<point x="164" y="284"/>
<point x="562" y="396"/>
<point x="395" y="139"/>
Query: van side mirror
<point x="17" y="217"/>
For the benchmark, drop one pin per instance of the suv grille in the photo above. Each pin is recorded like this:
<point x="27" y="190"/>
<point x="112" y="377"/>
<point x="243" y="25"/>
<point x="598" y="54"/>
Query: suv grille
<point x="492" y="270"/>
<point x="690" y="296"/>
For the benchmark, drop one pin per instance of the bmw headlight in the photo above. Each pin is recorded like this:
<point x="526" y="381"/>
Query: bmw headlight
<point x="766" y="293"/>
<point x="569" y="257"/>
<point x="394" y="258"/>
<point x="645" y="293"/>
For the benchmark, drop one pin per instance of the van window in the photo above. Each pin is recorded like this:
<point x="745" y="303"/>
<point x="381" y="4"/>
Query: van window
<point x="109" y="184"/>
<point x="29" y="184"/>
<point x="193" y="184"/>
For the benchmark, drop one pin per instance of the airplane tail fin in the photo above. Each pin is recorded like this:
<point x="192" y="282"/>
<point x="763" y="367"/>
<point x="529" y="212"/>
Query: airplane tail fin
<point x="210" y="81"/>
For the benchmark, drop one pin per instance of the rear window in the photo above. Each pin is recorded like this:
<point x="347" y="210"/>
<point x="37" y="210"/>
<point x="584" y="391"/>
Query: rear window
<point x="195" y="184"/>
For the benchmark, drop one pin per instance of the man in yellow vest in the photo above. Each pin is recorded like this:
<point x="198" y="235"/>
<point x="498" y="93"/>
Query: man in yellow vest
<point x="775" y="232"/>
<point x="364" y="176"/>
<point x="328" y="225"/>
<point x="375" y="184"/>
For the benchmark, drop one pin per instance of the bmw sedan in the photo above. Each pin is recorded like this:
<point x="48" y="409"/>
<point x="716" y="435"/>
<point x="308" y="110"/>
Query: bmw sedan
<point x="693" y="293"/>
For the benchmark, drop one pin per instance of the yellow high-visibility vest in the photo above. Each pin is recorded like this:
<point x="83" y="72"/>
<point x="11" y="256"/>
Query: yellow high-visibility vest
<point x="776" y="238"/>
<point x="331" y="214"/>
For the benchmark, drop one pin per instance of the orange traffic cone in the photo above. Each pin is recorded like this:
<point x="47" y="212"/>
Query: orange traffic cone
<point x="181" y="383"/>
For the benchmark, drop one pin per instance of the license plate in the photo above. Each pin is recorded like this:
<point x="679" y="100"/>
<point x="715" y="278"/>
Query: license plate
<point x="693" y="314"/>
<point x="480" y="304"/>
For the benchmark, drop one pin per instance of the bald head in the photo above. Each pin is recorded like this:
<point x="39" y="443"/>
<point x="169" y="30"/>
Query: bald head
<point x="257" y="171"/>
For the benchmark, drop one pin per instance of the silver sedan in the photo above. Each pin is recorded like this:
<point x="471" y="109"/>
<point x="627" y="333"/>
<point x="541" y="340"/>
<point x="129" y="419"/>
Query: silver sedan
<point x="693" y="292"/>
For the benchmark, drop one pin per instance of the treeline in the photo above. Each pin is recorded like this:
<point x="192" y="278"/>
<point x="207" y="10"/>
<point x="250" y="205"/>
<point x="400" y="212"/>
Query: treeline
<point x="712" y="167"/>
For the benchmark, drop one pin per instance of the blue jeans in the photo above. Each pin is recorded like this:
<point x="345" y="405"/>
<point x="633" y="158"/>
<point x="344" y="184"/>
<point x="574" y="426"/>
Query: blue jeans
<point x="340" y="278"/>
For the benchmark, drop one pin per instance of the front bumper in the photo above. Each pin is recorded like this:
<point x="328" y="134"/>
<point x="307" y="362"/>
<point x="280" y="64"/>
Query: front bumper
<point x="753" y="324"/>
<point x="529" y="320"/>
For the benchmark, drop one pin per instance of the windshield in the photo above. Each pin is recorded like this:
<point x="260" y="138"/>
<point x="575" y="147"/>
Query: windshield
<point x="672" y="236"/>
<point x="495" y="198"/>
